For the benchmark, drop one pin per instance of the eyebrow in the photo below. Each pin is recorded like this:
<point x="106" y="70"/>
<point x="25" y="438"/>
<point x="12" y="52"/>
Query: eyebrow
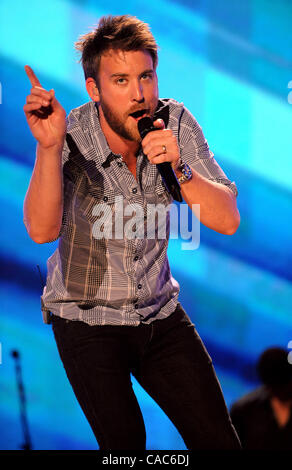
<point x="126" y="74"/>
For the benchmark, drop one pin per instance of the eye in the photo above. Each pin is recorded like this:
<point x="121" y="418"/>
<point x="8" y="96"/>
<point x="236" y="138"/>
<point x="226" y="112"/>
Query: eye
<point x="120" y="81"/>
<point x="147" y="76"/>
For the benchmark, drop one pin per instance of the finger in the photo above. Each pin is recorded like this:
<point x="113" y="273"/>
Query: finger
<point x="37" y="99"/>
<point x="159" y="123"/>
<point x="154" y="151"/>
<point x="53" y="97"/>
<point x="174" y="161"/>
<point x="28" y="108"/>
<point x="159" y="159"/>
<point x="55" y="103"/>
<point x="163" y="135"/>
<point x="38" y="91"/>
<point x="158" y="142"/>
<point x="38" y="110"/>
<point x="32" y="76"/>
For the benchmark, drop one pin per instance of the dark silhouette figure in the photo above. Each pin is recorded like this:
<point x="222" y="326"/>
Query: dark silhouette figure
<point x="262" y="418"/>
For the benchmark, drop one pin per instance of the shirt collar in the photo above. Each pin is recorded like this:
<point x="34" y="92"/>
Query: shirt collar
<point x="102" y="147"/>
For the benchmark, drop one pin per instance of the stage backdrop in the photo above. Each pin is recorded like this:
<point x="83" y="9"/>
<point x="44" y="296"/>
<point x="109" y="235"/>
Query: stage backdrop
<point x="230" y="63"/>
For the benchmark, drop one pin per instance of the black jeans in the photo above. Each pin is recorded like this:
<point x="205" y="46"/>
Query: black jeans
<point x="168" y="359"/>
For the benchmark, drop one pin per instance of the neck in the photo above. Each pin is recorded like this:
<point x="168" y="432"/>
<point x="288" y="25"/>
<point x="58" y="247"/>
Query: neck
<point x="118" y="144"/>
<point x="281" y="410"/>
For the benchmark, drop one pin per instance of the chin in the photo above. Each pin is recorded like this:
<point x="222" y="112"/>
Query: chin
<point x="133" y="135"/>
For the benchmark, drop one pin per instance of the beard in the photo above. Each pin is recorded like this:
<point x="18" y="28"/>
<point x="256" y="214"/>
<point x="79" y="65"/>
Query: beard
<point x="117" y="123"/>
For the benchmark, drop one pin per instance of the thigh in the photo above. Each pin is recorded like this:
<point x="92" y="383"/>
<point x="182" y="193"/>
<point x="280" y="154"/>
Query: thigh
<point x="96" y="361"/>
<point x="178" y="373"/>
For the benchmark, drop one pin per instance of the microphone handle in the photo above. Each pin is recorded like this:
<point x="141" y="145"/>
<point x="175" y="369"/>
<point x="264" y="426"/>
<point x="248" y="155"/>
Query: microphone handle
<point x="169" y="179"/>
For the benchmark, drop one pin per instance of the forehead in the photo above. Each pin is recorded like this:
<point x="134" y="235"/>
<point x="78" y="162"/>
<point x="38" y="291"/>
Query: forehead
<point x="126" y="62"/>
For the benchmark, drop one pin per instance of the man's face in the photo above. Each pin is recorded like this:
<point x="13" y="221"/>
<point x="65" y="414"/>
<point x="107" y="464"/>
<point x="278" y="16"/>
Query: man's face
<point x="127" y="84"/>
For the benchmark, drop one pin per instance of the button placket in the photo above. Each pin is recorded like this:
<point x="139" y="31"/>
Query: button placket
<point x="121" y="176"/>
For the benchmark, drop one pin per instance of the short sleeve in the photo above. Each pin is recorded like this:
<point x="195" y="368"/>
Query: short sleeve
<point x="194" y="150"/>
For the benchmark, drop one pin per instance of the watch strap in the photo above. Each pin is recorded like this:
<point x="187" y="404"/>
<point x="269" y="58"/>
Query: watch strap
<point x="186" y="171"/>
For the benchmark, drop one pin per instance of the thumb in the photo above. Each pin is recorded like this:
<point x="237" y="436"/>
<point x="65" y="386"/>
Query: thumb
<point x="54" y="100"/>
<point x="52" y="93"/>
<point x="159" y="123"/>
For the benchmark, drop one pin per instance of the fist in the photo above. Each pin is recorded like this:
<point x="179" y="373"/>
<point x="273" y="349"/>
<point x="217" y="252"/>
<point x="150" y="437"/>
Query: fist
<point x="161" y="145"/>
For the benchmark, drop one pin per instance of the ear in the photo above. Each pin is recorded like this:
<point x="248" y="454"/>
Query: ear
<point x="92" y="89"/>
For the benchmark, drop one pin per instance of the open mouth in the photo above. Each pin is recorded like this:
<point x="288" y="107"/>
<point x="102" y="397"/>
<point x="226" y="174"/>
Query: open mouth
<point x="139" y="114"/>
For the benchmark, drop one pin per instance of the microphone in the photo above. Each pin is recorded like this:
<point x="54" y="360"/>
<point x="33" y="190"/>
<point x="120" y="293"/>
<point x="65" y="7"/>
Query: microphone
<point x="165" y="169"/>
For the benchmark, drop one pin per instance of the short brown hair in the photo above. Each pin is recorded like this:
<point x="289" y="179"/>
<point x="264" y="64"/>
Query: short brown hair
<point x="125" y="32"/>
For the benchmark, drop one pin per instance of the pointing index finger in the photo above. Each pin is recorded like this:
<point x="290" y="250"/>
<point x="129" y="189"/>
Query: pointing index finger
<point x="32" y="76"/>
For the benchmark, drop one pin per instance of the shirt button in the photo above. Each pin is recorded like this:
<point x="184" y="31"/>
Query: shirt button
<point x="134" y="190"/>
<point x="105" y="198"/>
<point x="139" y="286"/>
<point x="136" y="258"/>
<point x="120" y="164"/>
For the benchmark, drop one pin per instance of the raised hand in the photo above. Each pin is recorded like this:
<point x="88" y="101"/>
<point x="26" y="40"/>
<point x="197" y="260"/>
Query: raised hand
<point x="45" y="116"/>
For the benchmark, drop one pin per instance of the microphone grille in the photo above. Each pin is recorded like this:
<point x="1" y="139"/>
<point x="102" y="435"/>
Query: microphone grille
<point x="144" y="126"/>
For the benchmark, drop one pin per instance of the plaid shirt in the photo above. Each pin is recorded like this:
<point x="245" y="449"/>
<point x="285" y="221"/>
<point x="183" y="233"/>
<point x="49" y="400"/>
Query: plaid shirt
<point x="116" y="280"/>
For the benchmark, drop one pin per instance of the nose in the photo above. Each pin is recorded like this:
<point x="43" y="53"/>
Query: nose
<point x="137" y="92"/>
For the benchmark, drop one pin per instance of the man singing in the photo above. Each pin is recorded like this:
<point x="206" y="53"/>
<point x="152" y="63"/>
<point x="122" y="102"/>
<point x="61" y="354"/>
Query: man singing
<point x="112" y="301"/>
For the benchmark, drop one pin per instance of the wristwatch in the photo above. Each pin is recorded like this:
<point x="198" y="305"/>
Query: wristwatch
<point x="186" y="171"/>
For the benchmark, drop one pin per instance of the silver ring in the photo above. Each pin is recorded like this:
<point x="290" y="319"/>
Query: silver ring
<point x="164" y="148"/>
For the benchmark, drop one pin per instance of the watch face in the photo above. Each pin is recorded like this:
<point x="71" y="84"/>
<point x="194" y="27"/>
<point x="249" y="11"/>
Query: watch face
<point x="186" y="173"/>
<point x="186" y="170"/>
